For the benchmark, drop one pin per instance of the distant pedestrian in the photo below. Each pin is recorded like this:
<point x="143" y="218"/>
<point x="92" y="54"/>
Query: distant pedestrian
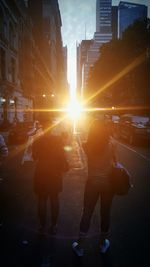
<point x="34" y="130"/>
<point x="3" y="155"/>
<point x="100" y="155"/>
<point x="50" y="167"/>
<point x="3" y="148"/>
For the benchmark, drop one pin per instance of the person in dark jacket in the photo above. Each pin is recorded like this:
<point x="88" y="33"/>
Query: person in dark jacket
<point x="100" y="156"/>
<point x="3" y="148"/>
<point x="50" y="166"/>
<point x="3" y="155"/>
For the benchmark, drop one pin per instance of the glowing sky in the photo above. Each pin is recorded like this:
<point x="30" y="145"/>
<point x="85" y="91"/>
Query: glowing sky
<point x="75" y="15"/>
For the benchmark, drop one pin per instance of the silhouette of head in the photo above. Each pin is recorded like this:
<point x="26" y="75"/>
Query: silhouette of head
<point x="98" y="136"/>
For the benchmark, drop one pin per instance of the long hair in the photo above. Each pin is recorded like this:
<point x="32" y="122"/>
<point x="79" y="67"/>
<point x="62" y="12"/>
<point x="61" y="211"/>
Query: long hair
<point x="98" y="137"/>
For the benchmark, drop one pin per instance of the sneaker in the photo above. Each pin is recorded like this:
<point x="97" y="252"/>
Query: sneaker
<point x="104" y="247"/>
<point x="77" y="249"/>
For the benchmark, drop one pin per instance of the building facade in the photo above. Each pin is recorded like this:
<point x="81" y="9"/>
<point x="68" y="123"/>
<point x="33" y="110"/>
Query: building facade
<point x="82" y="50"/>
<point x="102" y="35"/>
<point x="30" y="68"/>
<point x="14" y="104"/>
<point x="128" y="13"/>
<point x="103" y="16"/>
<point x="114" y="22"/>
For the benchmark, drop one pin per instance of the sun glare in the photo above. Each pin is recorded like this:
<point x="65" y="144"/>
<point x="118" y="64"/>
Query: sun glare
<point x="74" y="110"/>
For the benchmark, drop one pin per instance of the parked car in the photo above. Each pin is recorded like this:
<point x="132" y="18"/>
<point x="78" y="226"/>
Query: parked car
<point x="18" y="133"/>
<point x="133" y="128"/>
<point x="113" y="123"/>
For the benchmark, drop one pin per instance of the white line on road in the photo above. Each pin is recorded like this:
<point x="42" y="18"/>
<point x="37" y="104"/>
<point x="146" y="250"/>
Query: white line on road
<point x="133" y="150"/>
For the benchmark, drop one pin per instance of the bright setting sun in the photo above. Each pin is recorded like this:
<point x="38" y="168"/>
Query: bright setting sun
<point x="74" y="109"/>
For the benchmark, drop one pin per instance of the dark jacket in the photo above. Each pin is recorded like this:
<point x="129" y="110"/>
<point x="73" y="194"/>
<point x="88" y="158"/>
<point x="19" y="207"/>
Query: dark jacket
<point x="51" y="164"/>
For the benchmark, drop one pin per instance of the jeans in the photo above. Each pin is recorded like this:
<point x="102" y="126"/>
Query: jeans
<point x="91" y="195"/>
<point x="42" y="208"/>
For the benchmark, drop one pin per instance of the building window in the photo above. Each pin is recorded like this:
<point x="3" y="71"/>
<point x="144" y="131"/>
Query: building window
<point x="3" y="63"/>
<point x="1" y="21"/>
<point x="3" y="24"/>
<point x="13" y="70"/>
<point x="12" y="36"/>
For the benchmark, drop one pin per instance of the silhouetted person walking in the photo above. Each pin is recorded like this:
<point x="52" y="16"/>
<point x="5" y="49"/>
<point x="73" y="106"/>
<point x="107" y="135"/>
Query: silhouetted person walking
<point x="100" y="156"/>
<point x="3" y="155"/>
<point x="51" y="164"/>
<point x="3" y="148"/>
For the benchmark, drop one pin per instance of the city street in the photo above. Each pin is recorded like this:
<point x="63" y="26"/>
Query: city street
<point x="78" y="70"/>
<point x="21" y="245"/>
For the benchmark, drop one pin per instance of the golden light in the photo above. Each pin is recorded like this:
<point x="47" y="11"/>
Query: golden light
<point x="74" y="110"/>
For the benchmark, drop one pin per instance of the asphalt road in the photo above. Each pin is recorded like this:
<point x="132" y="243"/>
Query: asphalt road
<point x="20" y="243"/>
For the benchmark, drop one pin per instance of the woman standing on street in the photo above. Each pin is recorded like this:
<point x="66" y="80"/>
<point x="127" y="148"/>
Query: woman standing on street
<point x="50" y="166"/>
<point x="100" y="156"/>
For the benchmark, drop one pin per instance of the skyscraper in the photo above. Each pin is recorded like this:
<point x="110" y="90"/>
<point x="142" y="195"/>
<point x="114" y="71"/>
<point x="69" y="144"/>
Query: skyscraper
<point x="114" y="22"/>
<point x="102" y="35"/>
<point x="82" y="50"/>
<point x="103" y="16"/>
<point x="128" y="13"/>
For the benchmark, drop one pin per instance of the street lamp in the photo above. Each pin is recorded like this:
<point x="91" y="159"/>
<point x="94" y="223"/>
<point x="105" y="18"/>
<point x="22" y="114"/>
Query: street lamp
<point x="3" y="100"/>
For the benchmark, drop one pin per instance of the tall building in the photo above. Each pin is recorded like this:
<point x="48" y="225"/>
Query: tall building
<point x="82" y="50"/>
<point x="128" y="13"/>
<point x="31" y="58"/>
<point x="16" y="99"/>
<point x="102" y="35"/>
<point x="114" y="22"/>
<point x="65" y="69"/>
<point x="47" y="30"/>
<point x="52" y="31"/>
<point x="103" y="16"/>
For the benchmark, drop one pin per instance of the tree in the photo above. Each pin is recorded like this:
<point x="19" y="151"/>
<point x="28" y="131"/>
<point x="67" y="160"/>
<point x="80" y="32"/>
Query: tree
<point x="121" y="74"/>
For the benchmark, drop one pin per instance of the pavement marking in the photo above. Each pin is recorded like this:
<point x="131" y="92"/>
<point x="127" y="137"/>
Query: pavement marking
<point x="133" y="150"/>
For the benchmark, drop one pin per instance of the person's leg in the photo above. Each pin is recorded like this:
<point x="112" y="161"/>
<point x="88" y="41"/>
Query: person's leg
<point x="91" y="195"/>
<point x="105" y="211"/>
<point x="42" y="207"/>
<point x="54" y="203"/>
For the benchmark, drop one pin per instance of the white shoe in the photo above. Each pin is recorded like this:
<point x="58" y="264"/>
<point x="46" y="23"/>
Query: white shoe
<point x="104" y="247"/>
<point x="77" y="249"/>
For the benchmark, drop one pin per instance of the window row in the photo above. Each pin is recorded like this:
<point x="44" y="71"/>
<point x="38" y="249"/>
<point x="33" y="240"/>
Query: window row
<point x="5" y="73"/>
<point x="7" y="30"/>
